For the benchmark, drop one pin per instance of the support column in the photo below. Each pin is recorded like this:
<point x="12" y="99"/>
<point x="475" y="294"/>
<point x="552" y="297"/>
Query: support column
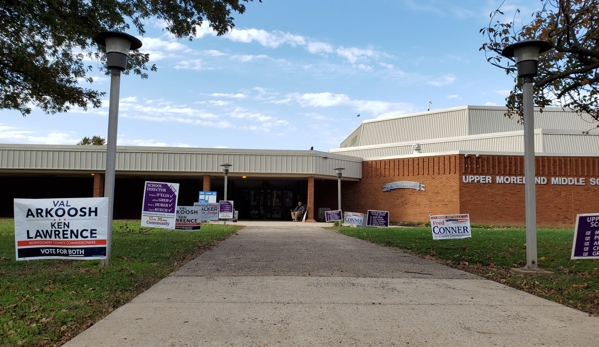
<point x="98" y="185"/>
<point x="206" y="184"/>
<point x="310" y="216"/>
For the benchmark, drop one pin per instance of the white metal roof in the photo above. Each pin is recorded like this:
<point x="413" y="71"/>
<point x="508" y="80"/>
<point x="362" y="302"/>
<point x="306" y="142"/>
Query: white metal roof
<point x="456" y="122"/>
<point x="547" y="142"/>
<point x="178" y="160"/>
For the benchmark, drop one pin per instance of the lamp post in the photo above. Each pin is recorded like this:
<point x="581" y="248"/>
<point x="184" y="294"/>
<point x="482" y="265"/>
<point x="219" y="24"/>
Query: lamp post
<point x="117" y="45"/>
<point x="527" y="56"/>
<point x="339" y="171"/>
<point x="226" y="167"/>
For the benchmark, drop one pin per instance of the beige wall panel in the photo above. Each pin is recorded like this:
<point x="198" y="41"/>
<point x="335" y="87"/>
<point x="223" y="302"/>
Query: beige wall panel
<point x="184" y="160"/>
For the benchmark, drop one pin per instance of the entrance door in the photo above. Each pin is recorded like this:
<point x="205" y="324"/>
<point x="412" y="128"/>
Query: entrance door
<point x="266" y="200"/>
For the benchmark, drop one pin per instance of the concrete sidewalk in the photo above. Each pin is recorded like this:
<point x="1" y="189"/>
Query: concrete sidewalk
<point x="296" y="284"/>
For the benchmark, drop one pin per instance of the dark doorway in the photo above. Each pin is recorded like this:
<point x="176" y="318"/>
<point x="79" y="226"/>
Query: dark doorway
<point x="267" y="199"/>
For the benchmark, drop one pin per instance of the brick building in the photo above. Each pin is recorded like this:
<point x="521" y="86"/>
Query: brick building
<point x="460" y="160"/>
<point x="470" y="160"/>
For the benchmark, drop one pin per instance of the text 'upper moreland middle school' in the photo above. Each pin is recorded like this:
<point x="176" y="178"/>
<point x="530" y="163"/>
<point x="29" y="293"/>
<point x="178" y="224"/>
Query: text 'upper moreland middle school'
<point x="564" y="181"/>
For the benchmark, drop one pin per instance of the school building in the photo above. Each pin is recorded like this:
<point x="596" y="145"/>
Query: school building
<point x="459" y="160"/>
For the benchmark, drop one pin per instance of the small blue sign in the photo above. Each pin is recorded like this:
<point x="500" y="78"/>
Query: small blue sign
<point x="207" y="197"/>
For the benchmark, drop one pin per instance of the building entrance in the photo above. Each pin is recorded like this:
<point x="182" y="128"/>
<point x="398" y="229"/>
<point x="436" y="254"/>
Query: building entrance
<point x="266" y="200"/>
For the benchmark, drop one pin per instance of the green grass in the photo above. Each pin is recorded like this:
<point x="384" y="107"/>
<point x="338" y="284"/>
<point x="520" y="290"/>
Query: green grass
<point x="47" y="302"/>
<point x="492" y="252"/>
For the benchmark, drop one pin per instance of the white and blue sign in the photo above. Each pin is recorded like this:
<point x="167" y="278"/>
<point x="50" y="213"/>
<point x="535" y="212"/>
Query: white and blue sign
<point x="188" y="218"/>
<point x="450" y="226"/>
<point x="208" y="212"/>
<point x="332" y="216"/>
<point x="586" y="237"/>
<point x="75" y="228"/>
<point x="354" y="218"/>
<point x="207" y="197"/>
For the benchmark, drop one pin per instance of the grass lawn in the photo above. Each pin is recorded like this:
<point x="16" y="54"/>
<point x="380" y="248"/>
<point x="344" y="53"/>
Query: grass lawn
<point x="48" y="302"/>
<point x="492" y="252"/>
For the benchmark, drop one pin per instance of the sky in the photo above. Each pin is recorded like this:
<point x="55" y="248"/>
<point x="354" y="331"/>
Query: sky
<point x="293" y="74"/>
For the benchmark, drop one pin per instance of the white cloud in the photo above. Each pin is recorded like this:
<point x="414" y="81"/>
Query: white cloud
<point x="225" y="95"/>
<point x="213" y="53"/>
<point x="123" y="141"/>
<point x="264" y="93"/>
<point x="219" y="102"/>
<point x="195" y="64"/>
<point x="12" y="134"/>
<point x="276" y="39"/>
<point x="161" y="49"/>
<point x="162" y="111"/>
<point x="322" y="99"/>
<point x="453" y="96"/>
<point x="258" y="117"/>
<point x="317" y="47"/>
<point x="246" y="58"/>
<point x="353" y="54"/>
<point x="272" y="40"/>
<point x="327" y="99"/>
<point x="491" y="104"/>
<point x="128" y="99"/>
<point x="364" y="67"/>
<point x="442" y="81"/>
<point x="265" y="123"/>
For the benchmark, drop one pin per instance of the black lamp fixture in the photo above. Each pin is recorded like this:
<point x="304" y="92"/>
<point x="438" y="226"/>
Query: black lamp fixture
<point x="527" y="54"/>
<point x="118" y="45"/>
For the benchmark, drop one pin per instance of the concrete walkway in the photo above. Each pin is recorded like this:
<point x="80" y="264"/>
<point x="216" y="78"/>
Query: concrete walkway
<point x="296" y="284"/>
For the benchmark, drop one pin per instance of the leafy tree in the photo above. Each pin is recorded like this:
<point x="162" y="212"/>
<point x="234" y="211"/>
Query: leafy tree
<point x="568" y="73"/>
<point x="95" y="141"/>
<point x="46" y="45"/>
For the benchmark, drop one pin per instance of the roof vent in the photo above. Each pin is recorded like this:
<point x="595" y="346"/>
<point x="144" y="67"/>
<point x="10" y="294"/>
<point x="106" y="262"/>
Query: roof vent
<point x="416" y="148"/>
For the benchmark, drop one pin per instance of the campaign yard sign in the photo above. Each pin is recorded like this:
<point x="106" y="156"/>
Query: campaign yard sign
<point x="354" y="218"/>
<point x="225" y="209"/>
<point x="188" y="218"/>
<point x="332" y="216"/>
<point x="450" y="226"/>
<point x="75" y="229"/>
<point x="208" y="212"/>
<point x="376" y="218"/>
<point x="586" y="237"/>
<point x="159" y="208"/>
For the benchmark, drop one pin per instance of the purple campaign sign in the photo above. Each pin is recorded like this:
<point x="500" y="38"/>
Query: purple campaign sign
<point x="225" y="209"/>
<point x="332" y="216"/>
<point x="160" y="197"/>
<point x="377" y="218"/>
<point x="586" y="237"/>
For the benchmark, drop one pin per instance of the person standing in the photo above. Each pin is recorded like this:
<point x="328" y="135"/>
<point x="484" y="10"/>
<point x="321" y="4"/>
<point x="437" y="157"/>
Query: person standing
<point x="298" y="212"/>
